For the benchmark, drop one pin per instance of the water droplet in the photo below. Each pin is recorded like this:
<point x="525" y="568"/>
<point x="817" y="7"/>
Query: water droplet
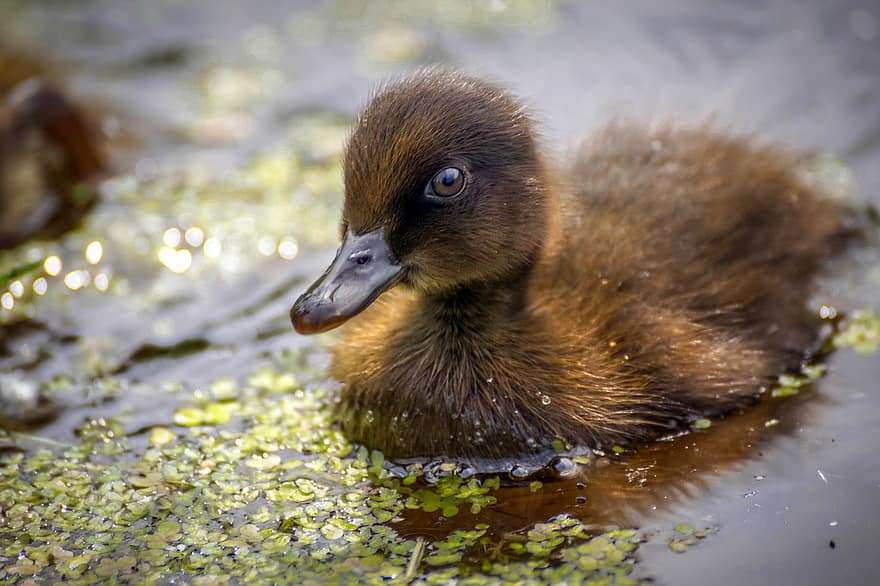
<point x="16" y="288"/>
<point x="518" y="472"/>
<point x="562" y="467"/>
<point x="545" y="400"/>
<point x="176" y="261"/>
<point x="171" y="237"/>
<point x="288" y="248"/>
<point x="52" y="265"/>
<point x="580" y="499"/>
<point x="94" y="252"/>
<point x="267" y="246"/>
<point x="213" y="248"/>
<point x="102" y="282"/>
<point x="75" y="280"/>
<point x="827" y="312"/>
<point x="41" y="285"/>
<point x="195" y="236"/>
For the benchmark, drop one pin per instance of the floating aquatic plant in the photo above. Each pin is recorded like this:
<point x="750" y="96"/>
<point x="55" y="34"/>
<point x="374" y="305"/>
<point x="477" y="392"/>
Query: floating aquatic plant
<point x="251" y="482"/>
<point x="686" y="536"/>
<point x="861" y="332"/>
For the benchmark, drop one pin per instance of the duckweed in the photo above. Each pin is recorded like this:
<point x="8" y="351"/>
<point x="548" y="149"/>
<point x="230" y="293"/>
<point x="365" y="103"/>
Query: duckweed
<point x="686" y="536"/>
<point x="861" y="332"/>
<point x="266" y="492"/>
<point x="449" y="495"/>
<point x="790" y="384"/>
<point x="159" y="436"/>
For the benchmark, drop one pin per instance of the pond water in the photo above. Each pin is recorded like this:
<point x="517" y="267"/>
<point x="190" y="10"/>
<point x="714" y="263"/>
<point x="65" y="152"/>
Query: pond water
<point x="226" y="122"/>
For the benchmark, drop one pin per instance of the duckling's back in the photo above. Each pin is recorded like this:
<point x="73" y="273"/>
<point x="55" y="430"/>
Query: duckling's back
<point x="692" y="254"/>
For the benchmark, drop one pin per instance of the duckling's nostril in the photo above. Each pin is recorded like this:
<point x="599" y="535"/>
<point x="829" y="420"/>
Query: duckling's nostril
<point x="361" y="258"/>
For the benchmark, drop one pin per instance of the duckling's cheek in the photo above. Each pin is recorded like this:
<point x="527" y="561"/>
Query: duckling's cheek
<point x="433" y="270"/>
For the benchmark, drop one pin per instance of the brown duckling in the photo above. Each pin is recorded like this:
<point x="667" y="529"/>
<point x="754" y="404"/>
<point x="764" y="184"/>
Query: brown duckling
<point x="661" y="276"/>
<point x="48" y="154"/>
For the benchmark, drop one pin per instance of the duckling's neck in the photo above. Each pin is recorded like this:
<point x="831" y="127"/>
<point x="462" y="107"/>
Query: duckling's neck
<point x="448" y="378"/>
<point x="480" y="302"/>
<point x="468" y="310"/>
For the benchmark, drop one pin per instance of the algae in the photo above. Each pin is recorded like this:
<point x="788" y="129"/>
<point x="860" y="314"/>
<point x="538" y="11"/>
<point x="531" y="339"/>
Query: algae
<point x="861" y="332"/>
<point x="269" y="492"/>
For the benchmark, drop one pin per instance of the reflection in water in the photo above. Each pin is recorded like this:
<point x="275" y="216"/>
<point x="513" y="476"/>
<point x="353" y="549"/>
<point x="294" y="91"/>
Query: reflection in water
<point x="94" y="252"/>
<point x="626" y="490"/>
<point x="52" y="265"/>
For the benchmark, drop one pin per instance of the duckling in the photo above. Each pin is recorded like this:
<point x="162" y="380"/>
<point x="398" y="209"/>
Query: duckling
<point x="47" y="155"/>
<point x="503" y="304"/>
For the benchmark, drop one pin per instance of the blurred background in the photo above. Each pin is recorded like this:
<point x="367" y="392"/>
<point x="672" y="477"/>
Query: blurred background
<point x="803" y="72"/>
<point x="192" y="185"/>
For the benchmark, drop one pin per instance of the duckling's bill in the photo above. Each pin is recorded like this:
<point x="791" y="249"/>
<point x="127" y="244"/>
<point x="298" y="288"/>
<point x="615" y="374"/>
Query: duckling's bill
<point x="363" y="269"/>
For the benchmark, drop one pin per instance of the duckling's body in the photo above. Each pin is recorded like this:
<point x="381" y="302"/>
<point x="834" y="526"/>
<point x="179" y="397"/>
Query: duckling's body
<point x="661" y="277"/>
<point x="47" y="154"/>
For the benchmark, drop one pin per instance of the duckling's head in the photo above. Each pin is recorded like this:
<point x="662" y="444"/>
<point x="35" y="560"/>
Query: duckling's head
<point x="444" y="188"/>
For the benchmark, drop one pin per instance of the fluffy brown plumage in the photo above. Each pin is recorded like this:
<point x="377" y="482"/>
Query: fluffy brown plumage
<point x="661" y="276"/>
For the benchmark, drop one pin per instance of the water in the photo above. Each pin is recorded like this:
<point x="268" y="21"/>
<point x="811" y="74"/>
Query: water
<point x="208" y="86"/>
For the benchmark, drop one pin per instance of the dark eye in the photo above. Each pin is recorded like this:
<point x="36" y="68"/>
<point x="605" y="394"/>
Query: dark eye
<point x="447" y="183"/>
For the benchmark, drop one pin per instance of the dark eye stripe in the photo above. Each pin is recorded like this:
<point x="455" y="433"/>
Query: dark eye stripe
<point x="447" y="182"/>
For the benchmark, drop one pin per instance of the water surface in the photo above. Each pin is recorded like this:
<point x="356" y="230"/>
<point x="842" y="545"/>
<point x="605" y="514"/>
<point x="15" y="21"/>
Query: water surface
<point x="234" y="114"/>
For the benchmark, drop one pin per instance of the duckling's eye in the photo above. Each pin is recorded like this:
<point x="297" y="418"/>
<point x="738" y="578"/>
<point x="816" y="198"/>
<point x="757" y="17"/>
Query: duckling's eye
<point x="447" y="183"/>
